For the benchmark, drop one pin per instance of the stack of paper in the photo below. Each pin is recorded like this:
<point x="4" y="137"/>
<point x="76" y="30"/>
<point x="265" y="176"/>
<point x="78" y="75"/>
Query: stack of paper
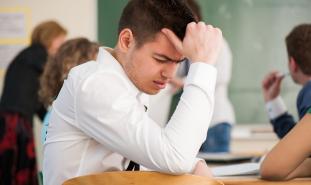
<point x="236" y="169"/>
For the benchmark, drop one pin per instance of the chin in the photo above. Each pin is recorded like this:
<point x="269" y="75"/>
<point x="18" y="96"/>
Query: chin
<point x="151" y="91"/>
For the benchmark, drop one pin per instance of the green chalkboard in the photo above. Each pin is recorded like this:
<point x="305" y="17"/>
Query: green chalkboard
<point x="255" y="30"/>
<point x="109" y="12"/>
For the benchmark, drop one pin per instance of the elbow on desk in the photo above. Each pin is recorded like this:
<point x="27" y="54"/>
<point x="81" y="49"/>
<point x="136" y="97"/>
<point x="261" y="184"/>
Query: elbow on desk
<point x="269" y="173"/>
<point x="176" y="162"/>
<point x="179" y="166"/>
<point x="174" y="157"/>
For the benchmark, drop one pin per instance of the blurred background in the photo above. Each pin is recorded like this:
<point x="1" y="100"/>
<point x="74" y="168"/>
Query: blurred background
<point x="254" y="29"/>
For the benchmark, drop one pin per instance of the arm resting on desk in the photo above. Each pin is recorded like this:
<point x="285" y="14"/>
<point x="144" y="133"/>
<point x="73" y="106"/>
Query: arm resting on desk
<point x="289" y="158"/>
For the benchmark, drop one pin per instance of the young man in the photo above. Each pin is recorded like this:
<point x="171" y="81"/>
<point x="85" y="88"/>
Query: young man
<point x="99" y="121"/>
<point x="298" y="44"/>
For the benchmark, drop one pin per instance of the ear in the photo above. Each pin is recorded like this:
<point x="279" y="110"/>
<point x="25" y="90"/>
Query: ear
<point x="293" y="65"/>
<point x="126" y="40"/>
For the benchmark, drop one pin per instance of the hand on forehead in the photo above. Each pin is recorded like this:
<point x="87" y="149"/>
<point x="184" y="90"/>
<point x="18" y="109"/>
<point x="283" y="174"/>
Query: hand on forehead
<point x="201" y="42"/>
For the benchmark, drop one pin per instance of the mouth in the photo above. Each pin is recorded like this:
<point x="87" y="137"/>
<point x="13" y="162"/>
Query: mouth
<point x="160" y="84"/>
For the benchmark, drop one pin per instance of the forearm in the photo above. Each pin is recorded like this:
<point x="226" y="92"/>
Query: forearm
<point x="303" y="170"/>
<point x="269" y="172"/>
<point x="289" y="158"/>
<point x="185" y="132"/>
<point x="182" y="137"/>
<point x="188" y="126"/>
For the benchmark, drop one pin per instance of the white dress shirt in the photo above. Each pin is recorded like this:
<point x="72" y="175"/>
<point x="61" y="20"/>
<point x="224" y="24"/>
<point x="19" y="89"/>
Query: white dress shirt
<point x="98" y="121"/>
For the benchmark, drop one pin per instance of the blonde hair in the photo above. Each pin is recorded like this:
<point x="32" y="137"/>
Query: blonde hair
<point x="46" y="32"/>
<point x="72" y="53"/>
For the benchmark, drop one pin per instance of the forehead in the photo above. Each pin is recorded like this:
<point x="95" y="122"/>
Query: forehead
<point x="161" y="45"/>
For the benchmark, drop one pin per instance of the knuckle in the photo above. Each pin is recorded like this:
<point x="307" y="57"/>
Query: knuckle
<point x="209" y="27"/>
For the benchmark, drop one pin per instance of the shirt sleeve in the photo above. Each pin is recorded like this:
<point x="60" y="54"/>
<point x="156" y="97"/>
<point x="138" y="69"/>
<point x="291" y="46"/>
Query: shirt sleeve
<point x="276" y="108"/>
<point x="108" y="112"/>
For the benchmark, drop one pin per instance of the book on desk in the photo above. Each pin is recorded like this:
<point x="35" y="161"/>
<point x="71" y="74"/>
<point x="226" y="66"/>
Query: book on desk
<point x="232" y="164"/>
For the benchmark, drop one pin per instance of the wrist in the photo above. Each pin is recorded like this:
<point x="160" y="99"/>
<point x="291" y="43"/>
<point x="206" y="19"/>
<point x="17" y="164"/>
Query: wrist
<point x="268" y="97"/>
<point x="207" y="61"/>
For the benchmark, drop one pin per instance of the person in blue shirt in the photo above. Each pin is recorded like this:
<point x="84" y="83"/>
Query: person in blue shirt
<point x="298" y="44"/>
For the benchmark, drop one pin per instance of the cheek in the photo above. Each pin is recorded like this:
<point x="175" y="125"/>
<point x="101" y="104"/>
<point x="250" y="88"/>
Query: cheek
<point x="140" y="66"/>
<point x="134" y="70"/>
<point x="56" y="45"/>
<point x="145" y="69"/>
<point x="57" y="42"/>
<point x="152" y="71"/>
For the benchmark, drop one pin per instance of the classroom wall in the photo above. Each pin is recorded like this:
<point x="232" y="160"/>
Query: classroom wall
<point x="109" y="12"/>
<point x="78" y="16"/>
<point x="255" y="30"/>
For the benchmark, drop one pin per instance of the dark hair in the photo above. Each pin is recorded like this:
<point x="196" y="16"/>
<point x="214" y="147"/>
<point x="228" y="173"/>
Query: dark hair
<point x="194" y="6"/>
<point x="145" y="18"/>
<point x="298" y="44"/>
<point x="72" y="53"/>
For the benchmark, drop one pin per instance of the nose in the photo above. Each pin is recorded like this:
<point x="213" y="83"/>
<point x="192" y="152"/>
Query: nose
<point x="169" y="70"/>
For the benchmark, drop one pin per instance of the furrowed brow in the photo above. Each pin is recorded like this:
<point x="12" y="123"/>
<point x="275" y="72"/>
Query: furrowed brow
<point x="168" y="58"/>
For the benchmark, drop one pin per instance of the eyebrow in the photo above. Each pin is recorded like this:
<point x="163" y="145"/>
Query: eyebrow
<point x="168" y="58"/>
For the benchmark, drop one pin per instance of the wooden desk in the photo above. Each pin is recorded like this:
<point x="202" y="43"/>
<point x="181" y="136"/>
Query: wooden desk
<point x="154" y="178"/>
<point x="140" y="178"/>
<point x="257" y="181"/>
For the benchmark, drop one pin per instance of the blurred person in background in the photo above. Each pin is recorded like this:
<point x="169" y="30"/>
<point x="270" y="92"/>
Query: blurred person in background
<point x="19" y="103"/>
<point x="72" y="53"/>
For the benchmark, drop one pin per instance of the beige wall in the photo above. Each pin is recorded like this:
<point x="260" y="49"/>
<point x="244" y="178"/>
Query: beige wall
<point x="78" y="16"/>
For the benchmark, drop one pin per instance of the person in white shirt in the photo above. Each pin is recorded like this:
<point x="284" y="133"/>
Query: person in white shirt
<point x="99" y="121"/>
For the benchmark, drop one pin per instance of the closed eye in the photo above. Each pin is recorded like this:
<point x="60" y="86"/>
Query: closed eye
<point x="162" y="61"/>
